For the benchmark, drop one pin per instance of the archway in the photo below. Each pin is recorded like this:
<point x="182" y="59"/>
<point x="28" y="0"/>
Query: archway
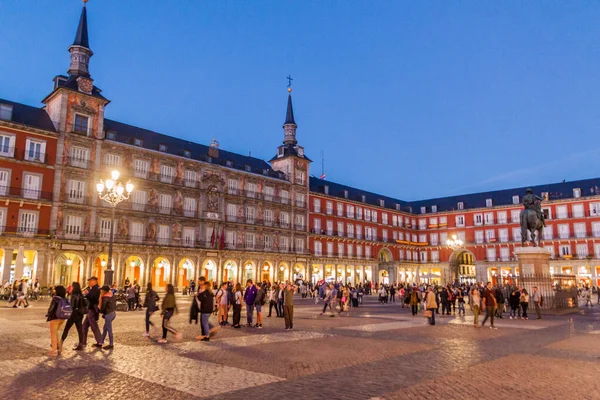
<point x="282" y="272"/>
<point x="329" y="272"/>
<point x="358" y="277"/>
<point x="299" y="273"/>
<point x="69" y="268"/>
<point x="265" y="272"/>
<point x="349" y="274"/>
<point x="209" y="270"/>
<point x="384" y="277"/>
<point x="229" y="271"/>
<point x="134" y="269"/>
<point x="185" y="272"/>
<point x="317" y="273"/>
<point x="368" y="274"/>
<point x="99" y="266"/>
<point x="248" y="271"/>
<point x="462" y="266"/>
<point x="161" y="269"/>
<point x="385" y="255"/>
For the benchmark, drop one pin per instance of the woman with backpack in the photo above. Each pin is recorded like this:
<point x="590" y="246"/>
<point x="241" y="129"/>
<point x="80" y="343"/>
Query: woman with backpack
<point x="169" y="307"/>
<point x="108" y="308"/>
<point x="151" y="307"/>
<point x="79" y="306"/>
<point x="55" y="316"/>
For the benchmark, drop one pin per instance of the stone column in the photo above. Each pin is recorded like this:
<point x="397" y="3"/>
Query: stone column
<point x="40" y="265"/>
<point x="50" y="264"/>
<point x="6" y="264"/>
<point x="19" y="266"/>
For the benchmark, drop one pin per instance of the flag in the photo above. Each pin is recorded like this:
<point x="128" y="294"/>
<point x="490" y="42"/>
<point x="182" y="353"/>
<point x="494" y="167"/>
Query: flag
<point x="222" y="243"/>
<point x="212" y="239"/>
<point x="322" y="176"/>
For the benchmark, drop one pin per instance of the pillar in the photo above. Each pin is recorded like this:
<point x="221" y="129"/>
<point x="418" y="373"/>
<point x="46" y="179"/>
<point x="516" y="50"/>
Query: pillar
<point x="19" y="266"/>
<point x="6" y="264"/>
<point x="39" y="265"/>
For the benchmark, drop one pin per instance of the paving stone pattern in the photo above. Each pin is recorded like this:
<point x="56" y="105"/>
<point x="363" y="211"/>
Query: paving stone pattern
<point x="373" y="352"/>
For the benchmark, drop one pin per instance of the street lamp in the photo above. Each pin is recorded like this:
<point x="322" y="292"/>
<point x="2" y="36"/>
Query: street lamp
<point x="113" y="192"/>
<point x="454" y="243"/>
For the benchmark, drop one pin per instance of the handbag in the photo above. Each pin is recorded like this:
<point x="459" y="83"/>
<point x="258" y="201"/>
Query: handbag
<point x="428" y="313"/>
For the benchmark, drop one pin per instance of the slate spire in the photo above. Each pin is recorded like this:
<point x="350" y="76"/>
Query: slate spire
<point x="80" y="49"/>
<point x="81" y="37"/>
<point x="289" y="116"/>
<point x="289" y="126"/>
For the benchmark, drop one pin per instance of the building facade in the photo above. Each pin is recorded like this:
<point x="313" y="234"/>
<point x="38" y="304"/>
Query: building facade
<point x="198" y="210"/>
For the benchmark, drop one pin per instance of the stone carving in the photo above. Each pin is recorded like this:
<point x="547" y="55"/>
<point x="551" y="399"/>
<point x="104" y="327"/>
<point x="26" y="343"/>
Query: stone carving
<point x="260" y="212"/>
<point x="213" y="199"/>
<point x="86" y="224"/>
<point x="151" y="230"/>
<point x="242" y="238"/>
<point x="123" y="228"/>
<point x="66" y="151"/>
<point x="176" y="232"/>
<point x="153" y="200"/>
<point x="59" y="219"/>
<point x="63" y="185"/>
<point x="155" y="167"/>
<point x="241" y="212"/>
<point x="128" y="160"/>
<point x="179" y="173"/>
<point x="178" y="203"/>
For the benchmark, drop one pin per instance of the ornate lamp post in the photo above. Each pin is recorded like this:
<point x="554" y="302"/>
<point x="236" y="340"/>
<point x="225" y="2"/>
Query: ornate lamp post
<point x="454" y="243"/>
<point x="113" y="192"/>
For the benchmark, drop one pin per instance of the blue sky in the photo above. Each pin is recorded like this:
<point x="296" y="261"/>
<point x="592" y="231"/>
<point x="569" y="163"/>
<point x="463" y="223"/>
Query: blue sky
<point x="409" y="99"/>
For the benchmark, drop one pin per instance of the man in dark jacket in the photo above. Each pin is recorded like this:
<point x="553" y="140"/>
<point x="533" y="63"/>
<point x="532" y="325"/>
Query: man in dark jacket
<point x="249" y="297"/>
<point x="92" y="294"/>
<point x="445" y="301"/>
<point x="288" y="307"/>
<point x="500" y="300"/>
<point x="206" y="300"/>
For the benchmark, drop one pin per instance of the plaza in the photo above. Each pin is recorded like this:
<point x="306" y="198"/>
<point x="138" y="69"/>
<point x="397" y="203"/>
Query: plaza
<point x="375" y="352"/>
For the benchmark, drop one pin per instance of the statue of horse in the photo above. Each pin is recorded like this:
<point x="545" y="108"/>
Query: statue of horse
<point x="532" y="223"/>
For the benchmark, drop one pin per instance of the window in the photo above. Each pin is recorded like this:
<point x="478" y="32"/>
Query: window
<point x="137" y="232"/>
<point x="423" y="210"/>
<point x="515" y="216"/>
<point x="7" y="145"/>
<point x="596" y="229"/>
<point x="72" y="227"/>
<point x="111" y="135"/>
<point x="189" y="206"/>
<point x="80" y="124"/>
<point x="190" y="178"/>
<point x="167" y="173"/>
<point x="516" y="233"/>
<point x="443" y="237"/>
<point x="490" y="254"/>
<point x="232" y="186"/>
<point x="577" y="193"/>
<point x="548" y="232"/>
<point x="112" y="160"/>
<point x="250" y="214"/>
<point x="358" y="251"/>
<point x="79" y="157"/>
<point x="230" y="239"/>
<point x="326" y="189"/>
<point x="137" y="142"/>
<point x="300" y="200"/>
<point x="300" y="177"/>
<point x="76" y="190"/>
<point x="561" y="212"/>
<point x="363" y="198"/>
<point x="105" y="225"/>
<point x="478" y="236"/>
<point x="350" y="230"/>
<point x="374" y="216"/>
<point x="423" y="238"/>
<point x="504" y="254"/>
<point x="367" y="215"/>
<point x="489" y="218"/>
<point x="251" y="190"/>
<point x="597" y="253"/>
<point x="232" y="210"/>
<point x="345" y="194"/>
<point x="443" y="221"/>
<point x="478" y="219"/>
<point x="35" y="150"/>
<point x="516" y="199"/>
<point x="358" y="232"/>
<point x="31" y="186"/>
<point x="165" y="202"/>
<point x="434" y="208"/>
<point x="318" y="248"/>
<point x="433" y="239"/>
<point x="384" y="235"/>
<point x="4" y="181"/>
<point x="163" y="234"/>
<point x="381" y="203"/>
<point x="594" y="209"/>
<point x="578" y="210"/>
<point x="384" y="218"/>
<point x="460" y="220"/>
<point x="502" y="217"/>
<point x="394" y="220"/>
<point x="490" y="236"/>
<point x="565" y="250"/>
<point x="359" y="213"/>
<point x="551" y="250"/>
<point x="488" y="202"/>
<point x="423" y="223"/>
<point x="138" y="200"/>
<point x="350" y="211"/>
<point x="162" y="147"/>
<point x="340" y="250"/>
<point x="187" y="153"/>
<point x="563" y="231"/>
<point x="579" y="230"/>
<point x="317" y="225"/>
<point x="6" y="112"/>
<point x="461" y="236"/>
<point x="349" y="249"/>
<point x="284" y="219"/>
<point x="329" y="208"/>
<point x="340" y="229"/>
<point x="368" y="233"/>
<point x="503" y="234"/>
<point x="423" y="256"/>
<point x="330" y="228"/>
<point x="188" y="236"/>
<point x="269" y="192"/>
<point x="247" y="168"/>
<point x="140" y="168"/>
<point x="408" y="255"/>
<point x="461" y="205"/>
<point x="340" y="209"/>
<point x="329" y="249"/>
<point x="317" y="205"/>
<point x="299" y="245"/>
<point x="27" y="223"/>
<point x="2" y="220"/>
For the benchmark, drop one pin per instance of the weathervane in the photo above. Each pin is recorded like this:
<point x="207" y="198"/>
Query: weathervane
<point x="289" y="78"/>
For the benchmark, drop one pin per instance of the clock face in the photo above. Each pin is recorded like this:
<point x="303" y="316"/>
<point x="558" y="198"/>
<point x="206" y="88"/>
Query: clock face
<point x="300" y="151"/>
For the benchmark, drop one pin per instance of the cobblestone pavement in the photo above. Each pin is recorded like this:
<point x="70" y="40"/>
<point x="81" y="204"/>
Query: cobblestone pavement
<point x="373" y="352"/>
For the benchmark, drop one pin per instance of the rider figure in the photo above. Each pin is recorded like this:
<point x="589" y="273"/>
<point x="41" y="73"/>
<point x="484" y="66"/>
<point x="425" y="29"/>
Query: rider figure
<point x="534" y="202"/>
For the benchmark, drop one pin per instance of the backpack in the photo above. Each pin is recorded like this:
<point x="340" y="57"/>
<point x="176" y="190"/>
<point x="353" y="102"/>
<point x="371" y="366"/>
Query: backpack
<point x="63" y="309"/>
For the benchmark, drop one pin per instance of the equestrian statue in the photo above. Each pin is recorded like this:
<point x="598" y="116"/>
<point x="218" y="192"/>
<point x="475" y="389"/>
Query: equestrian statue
<point x="532" y="219"/>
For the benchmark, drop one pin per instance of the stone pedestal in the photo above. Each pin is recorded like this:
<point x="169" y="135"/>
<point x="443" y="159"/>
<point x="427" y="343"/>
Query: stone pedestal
<point x="533" y="261"/>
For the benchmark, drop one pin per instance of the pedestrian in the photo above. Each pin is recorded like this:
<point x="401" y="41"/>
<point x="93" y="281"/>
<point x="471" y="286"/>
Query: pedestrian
<point x="280" y="299"/>
<point x="500" y="300"/>
<point x="150" y="302"/>
<point x="475" y="306"/>
<point x="430" y="305"/>
<point x="489" y="303"/>
<point x="36" y="290"/>
<point x="238" y="299"/>
<point x="414" y="301"/>
<point x="168" y="308"/>
<point x="222" y="298"/>
<point x="537" y="301"/>
<point x="79" y="307"/>
<point x="130" y="293"/>
<point x="354" y="295"/>
<point x="249" y="297"/>
<point x="259" y="301"/>
<point x="136" y="290"/>
<point x="273" y="292"/>
<point x="460" y="298"/>
<point x="92" y="294"/>
<point x="288" y="307"/>
<point x="513" y="300"/>
<point x="402" y="294"/>
<point x="393" y="294"/>
<point x="56" y="316"/>
<point x="524" y="303"/>
<point x="444" y="297"/>
<point x="206" y="300"/>
<point x="108" y="307"/>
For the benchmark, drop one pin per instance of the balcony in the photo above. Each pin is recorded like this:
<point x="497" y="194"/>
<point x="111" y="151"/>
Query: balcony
<point x="32" y="156"/>
<point x="165" y="178"/>
<point x="300" y="227"/>
<point x="23" y="231"/>
<point x="25" y="193"/>
<point x="78" y="162"/>
<point x="164" y="209"/>
<point x="6" y="151"/>
<point x="140" y="173"/>
<point x="77" y="198"/>
<point x="189" y="213"/>
<point x="190" y="183"/>
<point x="300" y="203"/>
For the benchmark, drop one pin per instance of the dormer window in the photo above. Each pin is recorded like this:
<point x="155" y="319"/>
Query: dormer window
<point x="187" y="153"/>
<point x="326" y="189"/>
<point x="209" y="159"/>
<point x="434" y="208"/>
<point x="6" y="112"/>
<point x="229" y="163"/>
<point x="280" y="151"/>
<point x="162" y="147"/>
<point x="247" y="168"/>
<point x="461" y="205"/>
<point x="576" y="193"/>
<point x="265" y="172"/>
<point x="363" y="198"/>
<point x="137" y="142"/>
<point x="488" y="202"/>
<point x="345" y="194"/>
<point x="111" y="135"/>
<point x="516" y="199"/>
<point x="397" y="206"/>
<point x="381" y="203"/>
<point x="423" y="210"/>
<point x="81" y="124"/>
